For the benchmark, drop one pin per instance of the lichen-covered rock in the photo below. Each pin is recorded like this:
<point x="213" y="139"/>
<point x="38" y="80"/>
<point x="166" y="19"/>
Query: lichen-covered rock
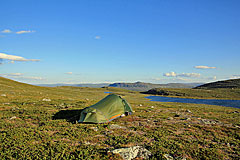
<point x="133" y="152"/>
<point x="46" y="99"/>
<point x="94" y="128"/>
<point x="168" y="157"/>
<point x="14" y="117"/>
<point x="115" y="126"/>
<point x="170" y="118"/>
<point x="207" y="121"/>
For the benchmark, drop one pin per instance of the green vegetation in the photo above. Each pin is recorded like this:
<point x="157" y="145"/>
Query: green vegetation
<point x="228" y="89"/>
<point x="218" y="93"/>
<point x="39" y="123"/>
<point x="231" y="83"/>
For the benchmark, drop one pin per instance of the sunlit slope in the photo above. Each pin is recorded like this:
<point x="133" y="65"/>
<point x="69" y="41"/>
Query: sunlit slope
<point x="10" y="90"/>
<point x="231" y="83"/>
<point x="219" y="93"/>
<point x="15" y="90"/>
<point x="8" y="84"/>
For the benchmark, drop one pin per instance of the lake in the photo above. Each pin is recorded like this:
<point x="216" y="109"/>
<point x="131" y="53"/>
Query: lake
<point x="225" y="103"/>
<point x="107" y="92"/>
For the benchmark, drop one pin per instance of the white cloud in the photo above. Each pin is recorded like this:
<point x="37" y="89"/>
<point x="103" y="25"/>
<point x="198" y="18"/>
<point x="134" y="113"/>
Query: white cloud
<point x="174" y="74"/>
<point x="211" y="78"/>
<point x="12" y="74"/>
<point x="15" y="58"/>
<point x="6" y="31"/>
<point x="204" y="67"/>
<point x="184" y="79"/>
<point x="22" y="32"/>
<point x="156" y="79"/>
<point x="69" y="73"/>
<point x="170" y="74"/>
<point x="21" y="76"/>
<point x="15" y="74"/>
<point x="33" y="78"/>
<point x="18" y="32"/>
<point x="235" y="77"/>
<point x="97" y="37"/>
<point x="189" y="75"/>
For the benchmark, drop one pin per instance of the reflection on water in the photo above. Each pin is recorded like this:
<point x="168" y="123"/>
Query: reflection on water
<point x="107" y="92"/>
<point x="226" y="103"/>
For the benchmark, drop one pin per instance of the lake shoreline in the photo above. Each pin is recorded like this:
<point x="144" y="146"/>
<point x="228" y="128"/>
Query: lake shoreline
<point x="218" y="102"/>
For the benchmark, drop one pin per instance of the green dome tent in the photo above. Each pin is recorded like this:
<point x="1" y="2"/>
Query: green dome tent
<point x="106" y="110"/>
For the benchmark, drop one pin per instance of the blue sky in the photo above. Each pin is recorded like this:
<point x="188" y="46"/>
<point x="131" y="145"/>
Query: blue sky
<point x="93" y="41"/>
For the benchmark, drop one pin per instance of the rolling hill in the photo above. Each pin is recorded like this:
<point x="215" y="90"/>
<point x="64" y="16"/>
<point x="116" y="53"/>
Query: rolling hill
<point x="231" y="83"/>
<point x="141" y="86"/>
<point x="228" y="89"/>
<point x="91" y="85"/>
<point x="137" y="86"/>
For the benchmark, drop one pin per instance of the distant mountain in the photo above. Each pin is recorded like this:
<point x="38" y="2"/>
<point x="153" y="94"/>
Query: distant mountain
<point x="141" y="86"/>
<point x="232" y="83"/>
<point x="137" y="86"/>
<point x="91" y="85"/>
<point x="98" y="85"/>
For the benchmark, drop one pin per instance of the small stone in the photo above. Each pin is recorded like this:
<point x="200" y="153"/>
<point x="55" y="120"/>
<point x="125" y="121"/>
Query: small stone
<point x="133" y="152"/>
<point x="3" y="95"/>
<point x="87" y="143"/>
<point x="235" y="112"/>
<point x="108" y="132"/>
<point x="14" y="117"/>
<point x="183" y="158"/>
<point x="46" y="99"/>
<point x="140" y="105"/>
<point x="188" y="111"/>
<point x="168" y="157"/>
<point x="170" y="118"/>
<point x="187" y="119"/>
<point x="205" y="121"/>
<point x="94" y="128"/>
<point x="237" y="126"/>
<point x="115" y="126"/>
<point x="123" y="115"/>
<point x="152" y="106"/>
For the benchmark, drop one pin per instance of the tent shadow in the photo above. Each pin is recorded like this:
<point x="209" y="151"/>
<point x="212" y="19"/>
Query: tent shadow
<point x="69" y="115"/>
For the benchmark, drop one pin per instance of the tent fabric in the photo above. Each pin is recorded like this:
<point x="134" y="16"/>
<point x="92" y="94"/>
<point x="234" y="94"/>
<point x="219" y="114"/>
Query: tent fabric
<point x="106" y="110"/>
